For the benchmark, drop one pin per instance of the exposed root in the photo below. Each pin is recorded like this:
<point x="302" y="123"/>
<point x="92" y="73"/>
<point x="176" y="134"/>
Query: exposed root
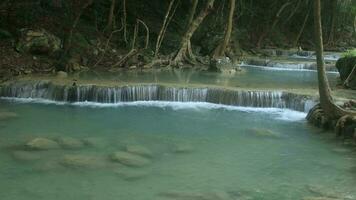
<point x="346" y="126"/>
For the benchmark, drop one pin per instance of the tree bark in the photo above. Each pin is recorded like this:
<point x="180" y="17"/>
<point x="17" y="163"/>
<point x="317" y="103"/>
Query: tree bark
<point x="192" y="11"/>
<point x="333" y="22"/>
<point x="275" y="21"/>
<point x="109" y="26"/>
<point x="184" y="53"/>
<point x="301" y="29"/>
<point x="221" y="48"/>
<point x="331" y="110"/>
<point x="163" y="28"/>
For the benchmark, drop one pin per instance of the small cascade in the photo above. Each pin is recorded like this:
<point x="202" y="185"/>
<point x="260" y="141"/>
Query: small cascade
<point x="102" y="94"/>
<point x="287" y="65"/>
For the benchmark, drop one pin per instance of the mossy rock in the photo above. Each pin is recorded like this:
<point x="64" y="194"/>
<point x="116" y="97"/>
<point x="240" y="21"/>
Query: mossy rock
<point x="41" y="144"/>
<point x="38" y="42"/>
<point x="345" y="66"/>
<point x="129" y="159"/>
<point x="139" y="150"/>
<point x="70" y="143"/>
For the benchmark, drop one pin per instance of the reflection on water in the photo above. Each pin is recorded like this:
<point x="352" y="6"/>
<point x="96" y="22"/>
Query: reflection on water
<point x="168" y="151"/>
<point x="252" y="77"/>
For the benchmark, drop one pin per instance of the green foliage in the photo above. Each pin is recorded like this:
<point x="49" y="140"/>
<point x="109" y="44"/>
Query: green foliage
<point x="350" y="53"/>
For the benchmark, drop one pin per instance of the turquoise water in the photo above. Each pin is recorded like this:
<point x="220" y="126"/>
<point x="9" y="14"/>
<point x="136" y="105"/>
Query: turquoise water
<point x="197" y="151"/>
<point x="252" y="77"/>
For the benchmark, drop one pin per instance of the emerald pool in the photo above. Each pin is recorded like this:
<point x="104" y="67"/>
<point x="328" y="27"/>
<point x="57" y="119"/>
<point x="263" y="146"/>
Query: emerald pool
<point x="188" y="151"/>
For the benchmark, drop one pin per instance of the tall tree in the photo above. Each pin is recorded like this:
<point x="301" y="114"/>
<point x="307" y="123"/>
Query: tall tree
<point x="185" y="53"/>
<point x="221" y="48"/>
<point x="331" y="110"/>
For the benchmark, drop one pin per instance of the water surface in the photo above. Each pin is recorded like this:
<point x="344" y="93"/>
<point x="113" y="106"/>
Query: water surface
<point x="200" y="151"/>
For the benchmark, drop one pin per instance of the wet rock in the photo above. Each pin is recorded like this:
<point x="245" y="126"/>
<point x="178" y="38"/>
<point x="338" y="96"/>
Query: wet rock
<point x="38" y="42"/>
<point x="61" y="74"/>
<point x="139" y="150"/>
<point x="7" y="115"/>
<point x="82" y="161"/>
<point x="129" y="159"/>
<point x="131" y="175"/>
<point x="224" y="65"/>
<point x="70" y="143"/>
<point x="25" y="156"/>
<point x="42" y="144"/>
<point x="183" y="148"/>
<point x="260" y="132"/>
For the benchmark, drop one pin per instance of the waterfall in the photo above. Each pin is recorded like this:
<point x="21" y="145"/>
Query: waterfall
<point x="103" y="94"/>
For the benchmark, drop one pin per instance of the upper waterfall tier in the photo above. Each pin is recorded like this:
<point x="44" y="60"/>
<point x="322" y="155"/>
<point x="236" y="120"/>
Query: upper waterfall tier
<point x="115" y="94"/>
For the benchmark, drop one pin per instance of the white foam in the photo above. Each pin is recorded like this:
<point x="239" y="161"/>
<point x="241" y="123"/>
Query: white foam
<point x="267" y="68"/>
<point x="277" y="113"/>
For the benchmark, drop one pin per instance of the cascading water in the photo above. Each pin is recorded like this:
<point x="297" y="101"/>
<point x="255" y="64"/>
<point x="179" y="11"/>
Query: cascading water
<point x="102" y="94"/>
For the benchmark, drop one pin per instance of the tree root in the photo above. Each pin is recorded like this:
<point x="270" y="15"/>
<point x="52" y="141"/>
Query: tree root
<point x="344" y="127"/>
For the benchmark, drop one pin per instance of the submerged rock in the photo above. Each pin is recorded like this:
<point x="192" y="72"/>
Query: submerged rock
<point x="217" y="195"/>
<point x="320" y="198"/>
<point x="139" y="150"/>
<point x="25" y="156"/>
<point x="42" y="144"/>
<point x="132" y="175"/>
<point x="7" y="115"/>
<point x="261" y="132"/>
<point x="81" y="161"/>
<point x="129" y="159"/>
<point x="183" y="148"/>
<point x="70" y="143"/>
<point x="94" y="142"/>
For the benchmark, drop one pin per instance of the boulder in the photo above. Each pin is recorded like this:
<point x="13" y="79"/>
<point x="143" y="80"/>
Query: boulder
<point x="38" y="42"/>
<point x="139" y="150"/>
<point x="42" y="144"/>
<point x="69" y="143"/>
<point x="224" y="65"/>
<point x="345" y="66"/>
<point x="129" y="159"/>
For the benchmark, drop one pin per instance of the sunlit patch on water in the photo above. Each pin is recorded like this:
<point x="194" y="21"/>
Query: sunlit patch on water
<point x="169" y="151"/>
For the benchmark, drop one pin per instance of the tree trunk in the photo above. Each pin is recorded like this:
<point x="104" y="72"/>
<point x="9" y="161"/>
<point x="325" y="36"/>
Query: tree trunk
<point x="355" y="25"/>
<point x="333" y="22"/>
<point x="275" y="21"/>
<point x="192" y="11"/>
<point x="164" y="27"/>
<point x="67" y="42"/>
<point x="221" y="49"/>
<point x="109" y="26"/>
<point x="295" y="44"/>
<point x="184" y="53"/>
<point x="331" y="110"/>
